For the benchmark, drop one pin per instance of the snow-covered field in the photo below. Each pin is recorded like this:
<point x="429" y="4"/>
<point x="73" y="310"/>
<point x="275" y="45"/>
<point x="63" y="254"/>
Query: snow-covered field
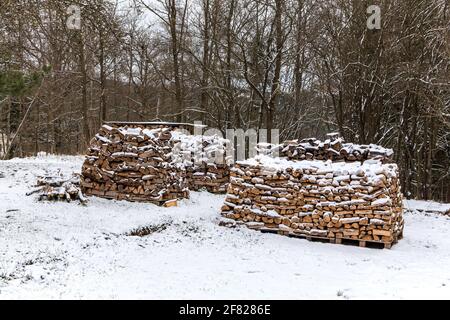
<point x="65" y="250"/>
<point x="427" y="206"/>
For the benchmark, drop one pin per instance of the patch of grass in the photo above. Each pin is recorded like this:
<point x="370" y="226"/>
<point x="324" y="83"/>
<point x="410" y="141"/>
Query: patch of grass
<point x="149" y="229"/>
<point x="4" y="276"/>
<point x="28" y="262"/>
<point x="188" y="229"/>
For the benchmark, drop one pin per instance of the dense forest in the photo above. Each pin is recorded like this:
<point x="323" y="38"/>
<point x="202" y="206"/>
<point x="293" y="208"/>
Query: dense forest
<point x="304" y="67"/>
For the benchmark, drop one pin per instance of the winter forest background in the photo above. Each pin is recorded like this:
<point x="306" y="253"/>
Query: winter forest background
<point x="305" y="67"/>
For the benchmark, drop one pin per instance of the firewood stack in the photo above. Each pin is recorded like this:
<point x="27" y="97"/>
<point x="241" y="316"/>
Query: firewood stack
<point x="205" y="160"/>
<point x="59" y="188"/>
<point x="317" y="199"/>
<point x="332" y="148"/>
<point x="133" y="164"/>
<point x="151" y="164"/>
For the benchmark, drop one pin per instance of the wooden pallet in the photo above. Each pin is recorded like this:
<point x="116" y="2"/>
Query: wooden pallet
<point x="345" y="241"/>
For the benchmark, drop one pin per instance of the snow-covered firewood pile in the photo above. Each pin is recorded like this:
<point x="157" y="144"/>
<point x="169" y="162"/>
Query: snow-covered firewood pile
<point x="332" y="148"/>
<point x="154" y="163"/>
<point x="58" y="188"/>
<point x="205" y="160"/>
<point x="323" y="199"/>
<point x="132" y="164"/>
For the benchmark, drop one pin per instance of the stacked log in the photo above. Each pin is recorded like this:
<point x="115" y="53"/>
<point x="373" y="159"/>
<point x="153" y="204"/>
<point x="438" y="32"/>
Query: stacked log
<point x="58" y="188"/>
<point x="211" y="177"/>
<point x="150" y="164"/>
<point x="332" y="148"/>
<point x="321" y="199"/>
<point x="205" y="160"/>
<point x="133" y="164"/>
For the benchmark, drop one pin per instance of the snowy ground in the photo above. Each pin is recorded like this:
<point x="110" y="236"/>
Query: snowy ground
<point x="65" y="250"/>
<point x="427" y="206"/>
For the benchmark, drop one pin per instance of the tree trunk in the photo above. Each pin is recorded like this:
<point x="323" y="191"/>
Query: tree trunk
<point x="232" y="107"/>
<point x="175" y="59"/>
<point x="205" y="60"/>
<point x="102" y="113"/>
<point x="84" y="97"/>
<point x="275" y="91"/>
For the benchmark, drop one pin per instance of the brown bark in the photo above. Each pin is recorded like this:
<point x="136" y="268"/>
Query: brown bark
<point x="275" y="91"/>
<point x="84" y="89"/>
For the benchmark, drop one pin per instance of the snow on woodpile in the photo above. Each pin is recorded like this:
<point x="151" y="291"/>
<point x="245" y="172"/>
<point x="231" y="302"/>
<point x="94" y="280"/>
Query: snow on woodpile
<point x="335" y="200"/>
<point x="333" y="149"/>
<point x="155" y="164"/>
<point x="57" y="187"/>
<point x="132" y="164"/>
<point x="205" y="160"/>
